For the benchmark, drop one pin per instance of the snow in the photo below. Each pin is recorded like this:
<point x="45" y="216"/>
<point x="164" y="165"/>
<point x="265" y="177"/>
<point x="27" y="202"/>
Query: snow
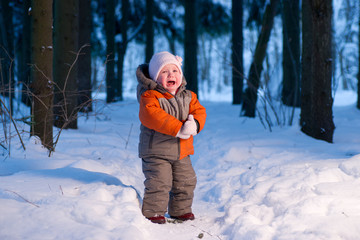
<point x="252" y="183"/>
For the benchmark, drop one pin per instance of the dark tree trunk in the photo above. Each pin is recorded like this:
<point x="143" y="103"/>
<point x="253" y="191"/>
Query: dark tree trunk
<point x="250" y="94"/>
<point x="171" y="36"/>
<point x="84" y="61"/>
<point x="42" y="56"/>
<point x="25" y="59"/>
<point x="190" y="48"/>
<point x="110" y="51"/>
<point x="65" y="63"/>
<point x="358" y="76"/>
<point x="291" y="53"/>
<point x="149" y="26"/>
<point x="121" y="47"/>
<point x="316" y="118"/>
<point x="237" y="51"/>
<point x="6" y="51"/>
<point x="306" y="62"/>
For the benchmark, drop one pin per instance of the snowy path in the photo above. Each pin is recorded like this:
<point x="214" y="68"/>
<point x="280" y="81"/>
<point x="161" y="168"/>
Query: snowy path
<point x="252" y="183"/>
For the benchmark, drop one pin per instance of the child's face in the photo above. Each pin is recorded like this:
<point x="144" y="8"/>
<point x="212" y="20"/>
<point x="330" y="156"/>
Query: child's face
<point x="170" y="78"/>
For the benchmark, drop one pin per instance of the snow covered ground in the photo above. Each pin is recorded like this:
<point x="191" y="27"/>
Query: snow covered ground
<point x="252" y="183"/>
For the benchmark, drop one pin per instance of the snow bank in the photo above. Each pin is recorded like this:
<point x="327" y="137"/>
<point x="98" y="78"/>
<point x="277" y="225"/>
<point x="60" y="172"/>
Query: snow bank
<point x="252" y="183"/>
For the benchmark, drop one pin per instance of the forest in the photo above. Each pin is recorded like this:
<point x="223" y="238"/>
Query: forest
<point x="278" y="157"/>
<point x="268" y="57"/>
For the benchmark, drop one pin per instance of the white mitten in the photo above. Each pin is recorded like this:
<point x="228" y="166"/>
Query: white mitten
<point x="180" y="134"/>
<point x="190" y="126"/>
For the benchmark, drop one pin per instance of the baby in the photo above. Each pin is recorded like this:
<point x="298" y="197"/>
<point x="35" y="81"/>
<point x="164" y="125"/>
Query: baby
<point x="170" y="116"/>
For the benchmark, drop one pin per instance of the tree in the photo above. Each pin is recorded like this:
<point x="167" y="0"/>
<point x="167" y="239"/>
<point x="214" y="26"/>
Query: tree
<point x="291" y="53"/>
<point x="84" y="61"/>
<point x="25" y="56"/>
<point x="250" y="94"/>
<point x="237" y="51"/>
<point x="42" y="69"/>
<point x="110" y="50"/>
<point x="149" y="26"/>
<point x="65" y="60"/>
<point x="129" y="27"/>
<point x="190" y="46"/>
<point x="255" y="13"/>
<point x="166" y="23"/>
<point x="358" y="76"/>
<point x="214" y="21"/>
<point x="121" y="47"/>
<point x="6" y="50"/>
<point x="316" y="118"/>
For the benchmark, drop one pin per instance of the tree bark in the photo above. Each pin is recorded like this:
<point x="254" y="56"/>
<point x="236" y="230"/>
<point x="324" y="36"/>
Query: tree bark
<point x="7" y="62"/>
<point x="358" y="76"/>
<point x="190" y="48"/>
<point x="149" y="26"/>
<point x="121" y="48"/>
<point x="291" y="53"/>
<point x="316" y="118"/>
<point x="25" y="59"/>
<point x="110" y="50"/>
<point x="84" y="61"/>
<point x="42" y="58"/>
<point x="250" y="94"/>
<point x="65" y="63"/>
<point x="237" y="51"/>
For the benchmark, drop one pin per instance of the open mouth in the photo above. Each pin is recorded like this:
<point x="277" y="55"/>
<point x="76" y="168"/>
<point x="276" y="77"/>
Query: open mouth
<point x="171" y="83"/>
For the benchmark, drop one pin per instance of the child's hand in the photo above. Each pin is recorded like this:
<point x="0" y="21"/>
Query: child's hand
<point x="180" y="134"/>
<point x="190" y="126"/>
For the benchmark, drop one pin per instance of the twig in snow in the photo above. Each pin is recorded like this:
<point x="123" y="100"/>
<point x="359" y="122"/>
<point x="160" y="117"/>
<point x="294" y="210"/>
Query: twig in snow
<point x="127" y="141"/>
<point x="205" y="232"/>
<point x="62" y="192"/>
<point x="22" y="198"/>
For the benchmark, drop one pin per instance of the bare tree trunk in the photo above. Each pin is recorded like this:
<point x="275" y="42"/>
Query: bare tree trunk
<point x="65" y="65"/>
<point x="84" y="61"/>
<point x="42" y="58"/>
<point x="250" y="94"/>
<point x="190" y="48"/>
<point x="7" y="51"/>
<point x="110" y="51"/>
<point x="121" y="47"/>
<point x="237" y="51"/>
<point x="24" y="61"/>
<point x="358" y="76"/>
<point x="316" y="118"/>
<point x="306" y="90"/>
<point x="291" y="53"/>
<point x="171" y="40"/>
<point x="149" y="26"/>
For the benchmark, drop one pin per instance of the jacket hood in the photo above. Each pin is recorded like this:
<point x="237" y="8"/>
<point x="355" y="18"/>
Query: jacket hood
<point x="146" y="83"/>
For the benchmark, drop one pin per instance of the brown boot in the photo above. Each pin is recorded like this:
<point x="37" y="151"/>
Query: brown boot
<point x="185" y="217"/>
<point x="157" y="219"/>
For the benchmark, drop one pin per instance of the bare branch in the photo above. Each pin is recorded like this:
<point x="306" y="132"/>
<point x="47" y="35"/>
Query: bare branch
<point x="23" y="198"/>
<point x="8" y="112"/>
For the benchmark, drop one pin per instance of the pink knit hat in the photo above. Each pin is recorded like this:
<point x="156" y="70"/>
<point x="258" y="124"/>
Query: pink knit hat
<point x="159" y="60"/>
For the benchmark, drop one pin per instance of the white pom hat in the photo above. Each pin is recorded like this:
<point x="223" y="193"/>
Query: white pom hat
<point x="159" y="60"/>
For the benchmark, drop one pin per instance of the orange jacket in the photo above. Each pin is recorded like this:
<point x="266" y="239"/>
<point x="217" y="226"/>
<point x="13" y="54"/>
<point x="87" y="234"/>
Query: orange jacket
<point x="162" y="115"/>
